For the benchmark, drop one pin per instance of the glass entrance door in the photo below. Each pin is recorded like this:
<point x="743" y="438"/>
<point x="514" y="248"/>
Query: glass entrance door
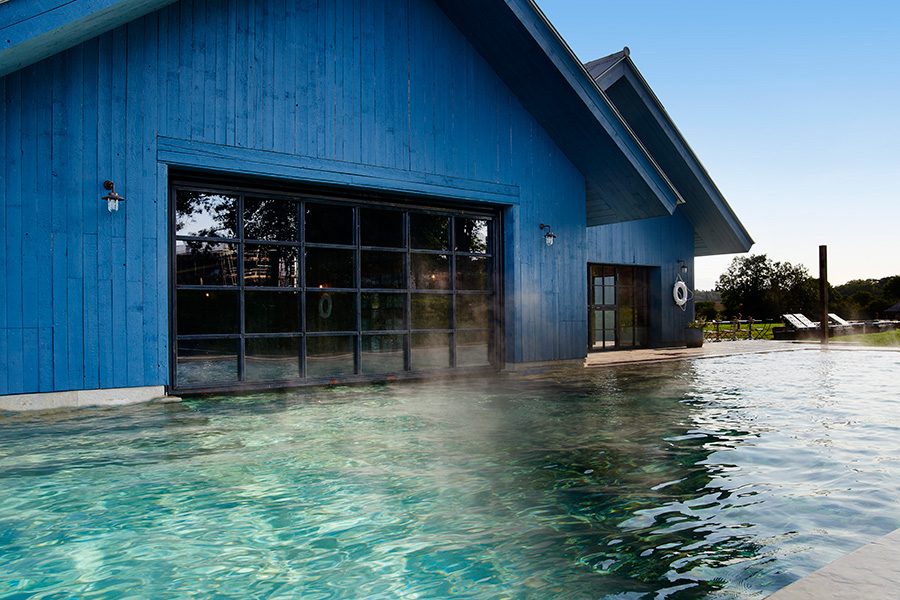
<point x="618" y="306"/>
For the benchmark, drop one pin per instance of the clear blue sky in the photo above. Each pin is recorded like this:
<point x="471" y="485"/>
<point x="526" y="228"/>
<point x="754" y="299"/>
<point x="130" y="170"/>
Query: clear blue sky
<point x="793" y="107"/>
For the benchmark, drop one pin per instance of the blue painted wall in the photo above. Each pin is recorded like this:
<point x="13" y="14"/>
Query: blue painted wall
<point x="358" y="92"/>
<point x="659" y="244"/>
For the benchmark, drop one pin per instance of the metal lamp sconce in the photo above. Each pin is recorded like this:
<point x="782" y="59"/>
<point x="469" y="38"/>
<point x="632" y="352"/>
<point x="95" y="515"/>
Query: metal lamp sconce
<point x="684" y="267"/>
<point x="112" y="198"/>
<point x="548" y="237"/>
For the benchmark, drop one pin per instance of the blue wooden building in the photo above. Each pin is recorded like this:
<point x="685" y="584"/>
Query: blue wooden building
<point x="328" y="191"/>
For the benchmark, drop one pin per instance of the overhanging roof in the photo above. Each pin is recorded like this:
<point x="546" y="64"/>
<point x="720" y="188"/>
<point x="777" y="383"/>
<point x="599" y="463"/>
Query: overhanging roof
<point x="32" y="30"/>
<point x="623" y="181"/>
<point x="514" y="37"/>
<point x="717" y="229"/>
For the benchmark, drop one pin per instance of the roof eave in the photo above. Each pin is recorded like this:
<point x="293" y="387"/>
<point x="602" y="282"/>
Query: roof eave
<point x="719" y="231"/>
<point x="33" y="32"/>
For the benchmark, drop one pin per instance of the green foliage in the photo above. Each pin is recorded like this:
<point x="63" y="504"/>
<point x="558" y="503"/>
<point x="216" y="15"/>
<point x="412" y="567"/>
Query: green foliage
<point x="863" y="299"/>
<point x="756" y="286"/>
<point x="706" y="310"/>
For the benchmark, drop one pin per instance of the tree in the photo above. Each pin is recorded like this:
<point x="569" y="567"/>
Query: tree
<point x="706" y="310"/>
<point x="759" y="287"/>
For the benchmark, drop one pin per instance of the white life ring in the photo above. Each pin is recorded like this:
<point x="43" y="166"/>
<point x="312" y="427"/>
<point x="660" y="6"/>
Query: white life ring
<point x="680" y="293"/>
<point x="325" y="306"/>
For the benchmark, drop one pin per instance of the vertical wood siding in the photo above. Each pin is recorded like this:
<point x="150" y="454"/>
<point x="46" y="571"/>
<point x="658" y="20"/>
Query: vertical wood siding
<point x="656" y="243"/>
<point x="84" y="293"/>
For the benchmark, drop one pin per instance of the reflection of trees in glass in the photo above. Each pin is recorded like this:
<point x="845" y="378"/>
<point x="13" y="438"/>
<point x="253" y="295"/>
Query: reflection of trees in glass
<point x="205" y="215"/>
<point x="430" y="311"/>
<point x="269" y="219"/>
<point x="471" y="235"/>
<point x="429" y="232"/>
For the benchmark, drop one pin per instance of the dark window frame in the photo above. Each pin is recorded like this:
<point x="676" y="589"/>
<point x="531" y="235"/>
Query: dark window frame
<point x="301" y="195"/>
<point x="638" y="290"/>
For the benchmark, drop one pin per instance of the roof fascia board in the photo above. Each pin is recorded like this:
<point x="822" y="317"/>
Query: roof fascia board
<point x="35" y="30"/>
<point x="582" y="83"/>
<point x="629" y="70"/>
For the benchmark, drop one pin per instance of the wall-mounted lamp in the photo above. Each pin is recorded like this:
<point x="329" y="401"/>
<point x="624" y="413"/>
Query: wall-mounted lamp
<point x="684" y="267"/>
<point x="548" y="237"/>
<point x="112" y="198"/>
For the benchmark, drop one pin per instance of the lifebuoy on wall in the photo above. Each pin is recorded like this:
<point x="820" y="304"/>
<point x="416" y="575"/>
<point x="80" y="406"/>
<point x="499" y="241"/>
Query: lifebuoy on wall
<point x="325" y="305"/>
<point x="680" y="293"/>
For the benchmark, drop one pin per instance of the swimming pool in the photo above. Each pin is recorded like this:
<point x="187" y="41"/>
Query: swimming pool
<point x="716" y="478"/>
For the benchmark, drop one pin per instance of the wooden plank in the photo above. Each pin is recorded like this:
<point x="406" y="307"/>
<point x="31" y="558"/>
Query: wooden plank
<point x="72" y="85"/>
<point x="54" y="129"/>
<point x="367" y="81"/>
<point x="352" y="129"/>
<point x="196" y="94"/>
<point x="258" y="128"/>
<point x="219" y="52"/>
<point x="150" y="204"/>
<point x="119" y="222"/>
<point x="105" y="221"/>
<point x="228" y="63"/>
<point x="240" y="87"/>
<point x="328" y="79"/>
<point x="267" y="61"/>
<point x="15" y="365"/>
<point x="418" y="51"/>
<point x="239" y="160"/>
<point x="162" y="276"/>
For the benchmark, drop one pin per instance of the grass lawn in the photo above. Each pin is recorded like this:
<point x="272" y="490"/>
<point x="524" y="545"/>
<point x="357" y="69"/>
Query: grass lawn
<point x="884" y="338"/>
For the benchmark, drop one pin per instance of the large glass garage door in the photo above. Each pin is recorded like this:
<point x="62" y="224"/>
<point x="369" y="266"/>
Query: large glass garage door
<point x="618" y="306"/>
<point x="274" y="289"/>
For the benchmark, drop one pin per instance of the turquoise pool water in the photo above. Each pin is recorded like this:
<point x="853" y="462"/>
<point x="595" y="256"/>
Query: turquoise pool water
<point x="717" y="478"/>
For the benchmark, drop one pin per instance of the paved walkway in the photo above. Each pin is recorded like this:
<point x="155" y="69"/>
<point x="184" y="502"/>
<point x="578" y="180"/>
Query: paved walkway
<point x="870" y="573"/>
<point x="709" y="349"/>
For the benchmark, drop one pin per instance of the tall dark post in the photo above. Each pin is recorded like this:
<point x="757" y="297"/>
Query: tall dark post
<point x="823" y="292"/>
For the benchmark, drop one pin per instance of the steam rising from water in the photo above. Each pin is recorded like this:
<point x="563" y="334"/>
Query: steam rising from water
<point x="722" y="478"/>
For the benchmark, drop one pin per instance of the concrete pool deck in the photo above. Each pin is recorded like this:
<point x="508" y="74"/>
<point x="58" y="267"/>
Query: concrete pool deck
<point x="872" y="571"/>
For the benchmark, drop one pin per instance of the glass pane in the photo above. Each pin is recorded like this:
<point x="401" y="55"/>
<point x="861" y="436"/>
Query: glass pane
<point x="472" y="349"/>
<point x="327" y="268"/>
<point x="609" y="294"/>
<point x="471" y="273"/>
<point x="471" y="235"/>
<point x="204" y="263"/>
<point x="626" y="337"/>
<point x="430" y="311"/>
<point x="329" y="224"/>
<point x="381" y="269"/>
<point x="212" y="311"/>
<point x="330" y="311"/>
<point x="472" y="311"/>
<point x="329" y="356"/>
<point x="270" y="219"/>
<point x="271" y="312"/>
<point x="429" y="271"/>
<point x="430" y="351"/>
<point x="207" y="361"/>
<point x="381" y="228"/>
<point x="382" y="353"/>
<point x="382" y="312"/>
<point x="271" y="266"/>
<point x="272" y="358"/>
<point x="429" y="232"/>
<point x="204" y="214"/>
